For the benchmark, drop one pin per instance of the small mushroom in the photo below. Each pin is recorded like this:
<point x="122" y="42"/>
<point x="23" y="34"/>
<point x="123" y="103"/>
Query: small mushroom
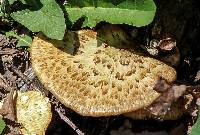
<point x="119" y="82"/>
<point x="33" y="112"/>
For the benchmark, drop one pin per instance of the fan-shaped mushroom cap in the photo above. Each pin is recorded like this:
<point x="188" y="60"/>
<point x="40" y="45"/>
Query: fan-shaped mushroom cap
<point x="94" y="77"/>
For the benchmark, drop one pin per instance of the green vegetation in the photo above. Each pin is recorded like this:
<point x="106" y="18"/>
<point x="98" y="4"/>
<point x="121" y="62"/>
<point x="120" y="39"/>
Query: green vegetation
<point x="50" y="17"/>
<point x="2" y="125"/>
<point x="196" y="126"/>
<point x="23" y="40"/>
<point x="133" y="12"/>
<point x="54" y="18"/>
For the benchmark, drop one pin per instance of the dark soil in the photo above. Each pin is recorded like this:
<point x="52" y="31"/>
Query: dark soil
<point x="177" y="18"/>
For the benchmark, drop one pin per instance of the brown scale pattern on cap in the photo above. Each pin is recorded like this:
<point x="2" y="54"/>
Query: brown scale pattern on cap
<point x="99" y="79"/>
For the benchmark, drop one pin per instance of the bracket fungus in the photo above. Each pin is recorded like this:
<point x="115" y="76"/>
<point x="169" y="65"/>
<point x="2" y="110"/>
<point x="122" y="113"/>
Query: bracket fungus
<point x="97" y="73"/>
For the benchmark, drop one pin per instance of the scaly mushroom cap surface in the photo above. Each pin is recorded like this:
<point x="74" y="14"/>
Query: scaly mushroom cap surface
<point x="94" y="77"/>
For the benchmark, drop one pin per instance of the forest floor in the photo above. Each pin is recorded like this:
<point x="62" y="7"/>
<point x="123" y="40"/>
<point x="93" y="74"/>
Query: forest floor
<point x="179" y="19"/>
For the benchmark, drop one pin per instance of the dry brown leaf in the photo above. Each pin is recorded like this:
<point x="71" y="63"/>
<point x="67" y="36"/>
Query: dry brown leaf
<point x="167" y="44"/>
<point x="7" y="109"/>
<point x="197" y="77"/>
<point x="169" y="94"/>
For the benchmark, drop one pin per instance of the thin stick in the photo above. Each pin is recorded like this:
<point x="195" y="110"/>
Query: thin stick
<point x="69" y="122"/>
<point x="8" y="52"/>
<point x="24" y="77"/>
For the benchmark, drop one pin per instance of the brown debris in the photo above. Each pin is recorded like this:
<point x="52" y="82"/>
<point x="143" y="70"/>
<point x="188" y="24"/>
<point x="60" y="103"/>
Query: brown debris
<point x="167" y="44"/>
<point x="194" y="90"/>
<point x="7" y="109"/>
<point x="3" y="41"/>
<point x="177" y="109"/>
<point x="169" y="94"/>
<point x="8" y="51"/>
<point x="197" y="77"/>
<point x="3" y="83"/>
<point x="161" y="85"/>
<point x="165" y="49"/>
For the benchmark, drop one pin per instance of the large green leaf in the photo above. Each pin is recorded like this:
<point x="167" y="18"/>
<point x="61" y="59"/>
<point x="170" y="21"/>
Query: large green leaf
<point x="46" y="17"/>
<point x="196" y="126"/>
<point x="133" y="12"/>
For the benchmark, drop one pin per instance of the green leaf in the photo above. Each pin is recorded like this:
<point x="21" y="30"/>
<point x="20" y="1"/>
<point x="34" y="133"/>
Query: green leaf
<point x="133" y="12"/>
<point x="196" y="126"/>
<point x="23" y="41"/>
<point x="2" y="125"/>
<point x="11" y="1"/>
<point x="47" y="18"/>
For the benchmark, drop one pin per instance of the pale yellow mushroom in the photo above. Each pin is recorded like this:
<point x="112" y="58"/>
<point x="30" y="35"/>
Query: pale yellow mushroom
<point x="33" y="112"/>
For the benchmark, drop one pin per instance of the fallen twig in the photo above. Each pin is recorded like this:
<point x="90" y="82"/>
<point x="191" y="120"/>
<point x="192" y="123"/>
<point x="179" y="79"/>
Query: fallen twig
<point x="24" y="77"/>
<point x="69" y="122"/>
<point x="8" y="52"/>
<point x="62" y="113"/>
